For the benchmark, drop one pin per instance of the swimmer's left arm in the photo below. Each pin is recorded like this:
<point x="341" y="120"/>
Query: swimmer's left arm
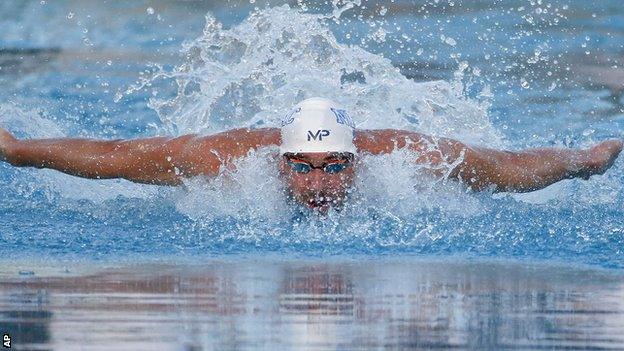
<point x="483" y="168"/>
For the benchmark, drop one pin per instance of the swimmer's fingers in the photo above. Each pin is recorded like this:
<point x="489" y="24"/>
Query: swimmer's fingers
<point x="6" y="141"/>
<point x="601" y="157"/>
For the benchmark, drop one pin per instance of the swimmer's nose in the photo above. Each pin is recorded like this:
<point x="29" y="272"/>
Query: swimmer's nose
<point x="316" y="179"/>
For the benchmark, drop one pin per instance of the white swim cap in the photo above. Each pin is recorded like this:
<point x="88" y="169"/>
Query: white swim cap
<point x="317" y="125"/>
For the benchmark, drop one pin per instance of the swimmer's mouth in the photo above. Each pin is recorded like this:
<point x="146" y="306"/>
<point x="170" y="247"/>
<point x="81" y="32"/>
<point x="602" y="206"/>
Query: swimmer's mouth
<point x="319" y="202"/>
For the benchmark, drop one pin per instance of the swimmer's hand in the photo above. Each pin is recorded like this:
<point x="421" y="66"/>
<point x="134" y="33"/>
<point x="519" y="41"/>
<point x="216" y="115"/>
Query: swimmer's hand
<point x="599" y="158"/>
<point x="6" y="142"/>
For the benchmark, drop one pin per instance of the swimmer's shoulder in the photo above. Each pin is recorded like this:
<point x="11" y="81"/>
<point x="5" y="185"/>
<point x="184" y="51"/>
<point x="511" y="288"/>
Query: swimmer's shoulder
<point x="238" y="141"/>
<point x="381" y="141"/>
<point x="255" y="137"/>
<point x="205" y="154"/>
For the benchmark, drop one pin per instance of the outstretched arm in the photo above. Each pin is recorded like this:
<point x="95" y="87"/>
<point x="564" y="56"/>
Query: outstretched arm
<point x="482" y="168"/>
<point x="159" y="160"/>
<point x="533" y="169"/>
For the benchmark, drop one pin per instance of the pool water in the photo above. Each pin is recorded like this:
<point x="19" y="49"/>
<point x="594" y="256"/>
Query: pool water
<point x="272" y="304"/>
<point x="536" y="270"/>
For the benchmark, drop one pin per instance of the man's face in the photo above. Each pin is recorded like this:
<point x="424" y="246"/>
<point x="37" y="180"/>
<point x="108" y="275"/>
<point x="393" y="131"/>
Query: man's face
<point x="318" y="180"/>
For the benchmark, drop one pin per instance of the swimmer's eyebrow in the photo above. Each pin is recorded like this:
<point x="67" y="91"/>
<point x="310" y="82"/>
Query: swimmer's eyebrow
<point x="298" y="157"/>
<point x="331" y="157"/>
<point x="336" y="157"/>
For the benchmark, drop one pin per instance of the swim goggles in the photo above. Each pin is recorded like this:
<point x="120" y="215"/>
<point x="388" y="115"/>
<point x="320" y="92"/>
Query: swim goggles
<point x="327" y="167"/>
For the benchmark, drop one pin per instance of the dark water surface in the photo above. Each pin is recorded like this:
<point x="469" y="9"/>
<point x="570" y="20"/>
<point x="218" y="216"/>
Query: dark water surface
<point x="264" y="304"/>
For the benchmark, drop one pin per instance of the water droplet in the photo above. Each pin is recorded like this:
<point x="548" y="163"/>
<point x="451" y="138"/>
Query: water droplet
<point x="70" y="15"/>
<point x="524" y="83"/>
<point x="379" y="35"/>
<point x="109" y="62"/>
<point x="448" y="40"/>
<point x="150" y="10"/>
<point x="588" y="132"/>
<point x="552" y="86"/>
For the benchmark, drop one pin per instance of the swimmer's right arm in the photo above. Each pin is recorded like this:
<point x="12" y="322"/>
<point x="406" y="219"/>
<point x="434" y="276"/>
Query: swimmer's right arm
<point x="483" y="168"/>
<point x="158" y="160"/>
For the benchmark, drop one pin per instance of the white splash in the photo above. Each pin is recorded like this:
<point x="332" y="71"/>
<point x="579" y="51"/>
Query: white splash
<point x="251" y="189"/>
<point x="256" y="71"/>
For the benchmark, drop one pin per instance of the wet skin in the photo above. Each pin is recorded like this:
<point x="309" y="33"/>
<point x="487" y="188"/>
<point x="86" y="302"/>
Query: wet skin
<point x="318" y="189"/>
<point x="169" y="160"/>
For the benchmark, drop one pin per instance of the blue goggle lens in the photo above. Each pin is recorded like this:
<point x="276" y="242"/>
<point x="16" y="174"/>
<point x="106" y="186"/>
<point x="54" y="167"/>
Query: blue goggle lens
<point x="333" y="168"/>
<point x="300" y="167"/>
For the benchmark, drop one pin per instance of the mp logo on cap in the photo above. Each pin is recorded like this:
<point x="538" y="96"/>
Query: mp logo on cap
<point x="318" y="135"/>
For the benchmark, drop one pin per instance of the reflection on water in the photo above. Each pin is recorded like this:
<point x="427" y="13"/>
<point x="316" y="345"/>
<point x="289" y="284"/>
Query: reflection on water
<point x="312" y="305"/>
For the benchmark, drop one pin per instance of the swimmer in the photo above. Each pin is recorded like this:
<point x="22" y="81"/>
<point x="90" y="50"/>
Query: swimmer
<point x="319" y="148"/>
